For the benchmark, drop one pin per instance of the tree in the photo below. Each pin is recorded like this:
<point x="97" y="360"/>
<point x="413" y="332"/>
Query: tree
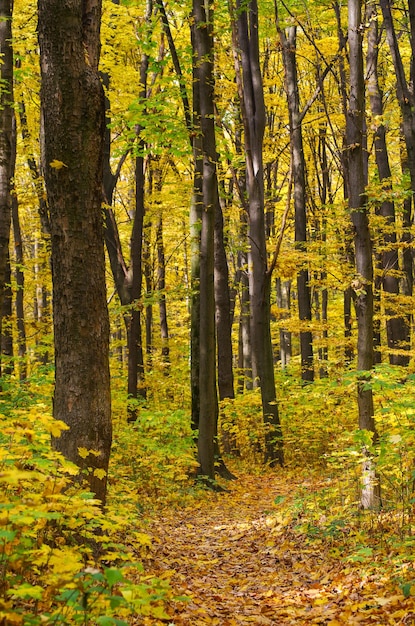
<point x="397" y="326"/>
<point x="6" y="140"/>
<point x="288" y="40"/>
<point x="253" y="117"/>
<point x="363" y="281"/>
<point x="205" y="197"/>
<point x="72" y="102"/>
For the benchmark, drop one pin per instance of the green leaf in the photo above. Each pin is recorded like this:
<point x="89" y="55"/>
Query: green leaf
<point x="26" y="591"/>
<point x="110" y="621"/>
<point x="113" y="576"/>
<point x="279" y="499"/>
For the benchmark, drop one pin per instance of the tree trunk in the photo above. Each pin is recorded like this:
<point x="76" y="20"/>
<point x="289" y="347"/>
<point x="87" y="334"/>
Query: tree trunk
<point x="406" y="99"/>
<point x="72" y="101"/>
<point x="283" y="289"/>
<point x="223" y="312"/>
<point x="148" y="277"/>
<point x="6" y="138"/>
<point x="161" y="286"/>
<point x="206" y="196"/>
<point x="253" y="115"/>
<point x="288" y="43"/>
<point x="244" y="342"/>
<point x="363" y="282"/>
<point x="397" y="326"/>
<point x="7" y="366"/>
<point x="19" y="277"/>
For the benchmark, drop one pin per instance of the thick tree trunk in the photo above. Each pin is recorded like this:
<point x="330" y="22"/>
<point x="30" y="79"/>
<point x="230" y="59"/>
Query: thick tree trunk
<point x="72" y="102"/>
<point x="363" y="282"/>
<point x="6" y="138"/>
<point x="206" y="196"/>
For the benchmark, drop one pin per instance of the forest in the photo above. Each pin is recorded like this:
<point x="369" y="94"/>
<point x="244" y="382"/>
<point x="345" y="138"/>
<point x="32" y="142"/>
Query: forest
<point x="207" y="368"/>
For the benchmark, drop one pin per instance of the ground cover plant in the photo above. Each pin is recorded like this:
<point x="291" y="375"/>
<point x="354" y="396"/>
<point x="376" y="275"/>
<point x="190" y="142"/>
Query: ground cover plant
<point x="289" y="545"/>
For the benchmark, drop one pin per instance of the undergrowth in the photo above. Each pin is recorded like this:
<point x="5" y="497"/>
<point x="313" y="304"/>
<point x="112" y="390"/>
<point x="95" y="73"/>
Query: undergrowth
<point x="64" y="560"/>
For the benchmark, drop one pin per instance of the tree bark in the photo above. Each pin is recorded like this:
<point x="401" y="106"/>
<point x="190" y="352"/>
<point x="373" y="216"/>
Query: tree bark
<point x="6" y="137"/>
<point x="363" y="282"/>
<point x="406" y="98"/>
<point x="397" y="326"/>
<point x="206" y="196"/>
<point x="288" y="43"/>
<point x="223" y="312"/>
<point x="253" y="115"/>
<point x="72" y="101"/>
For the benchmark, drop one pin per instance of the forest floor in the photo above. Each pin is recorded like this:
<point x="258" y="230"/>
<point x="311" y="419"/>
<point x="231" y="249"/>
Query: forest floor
<point x="240" y="559"/>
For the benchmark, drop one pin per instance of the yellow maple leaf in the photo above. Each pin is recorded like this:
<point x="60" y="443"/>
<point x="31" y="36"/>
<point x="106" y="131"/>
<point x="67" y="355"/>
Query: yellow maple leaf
<point x="100" y="473"/>
<point x="57" y="165"/>
<point x="83" y="453"/>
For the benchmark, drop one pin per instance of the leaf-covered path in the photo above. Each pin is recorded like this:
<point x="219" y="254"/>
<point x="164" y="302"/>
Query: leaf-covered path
<point x="238" y="558"/>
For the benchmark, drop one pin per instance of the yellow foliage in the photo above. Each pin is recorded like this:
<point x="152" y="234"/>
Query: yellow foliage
<point x="57" y="165"/>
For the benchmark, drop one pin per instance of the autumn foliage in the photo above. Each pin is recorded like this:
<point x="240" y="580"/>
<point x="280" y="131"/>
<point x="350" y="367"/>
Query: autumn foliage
<point x="278" y="545"/>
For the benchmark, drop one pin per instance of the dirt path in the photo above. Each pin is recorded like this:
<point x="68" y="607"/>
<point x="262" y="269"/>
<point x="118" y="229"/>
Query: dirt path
<point x="239" y="561"/>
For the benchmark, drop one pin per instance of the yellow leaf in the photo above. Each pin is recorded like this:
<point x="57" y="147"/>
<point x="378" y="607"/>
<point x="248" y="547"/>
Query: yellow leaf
<point x="57" y="165"/>
<point x="56" y="427"/>
<point x="83" y="453"/>
<point x="100" y="473"/>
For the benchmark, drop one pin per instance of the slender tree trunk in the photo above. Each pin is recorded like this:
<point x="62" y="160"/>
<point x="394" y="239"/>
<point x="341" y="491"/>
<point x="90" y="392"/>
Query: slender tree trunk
<point x="283" y="289"/>
<point x="161" y="285"/>
<point x="223" y="312"/>
<point x="397" y="326"/>
<point x="148" y="276"/>
<point x="288" y="42"/>
<point x="253" y="114"/>
<point x="72" y="102"/>
<point x="363" y="282"/>
<point x="19" y="277"/>
<point x="7" y="323"/>
<point x="136" y="379"/>
<point x="406" y="99"/>
<point x="348" y="244"/>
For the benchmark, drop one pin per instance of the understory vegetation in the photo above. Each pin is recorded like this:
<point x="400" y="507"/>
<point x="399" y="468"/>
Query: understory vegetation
<point x="64" y="561"/>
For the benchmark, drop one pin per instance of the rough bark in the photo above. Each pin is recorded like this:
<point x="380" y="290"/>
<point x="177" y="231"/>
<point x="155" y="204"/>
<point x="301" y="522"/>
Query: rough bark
<point x="206" y="195"/>
<point x="363" y="282"/>
<point x="72" y="101"/>
<point x="6" y="137"/>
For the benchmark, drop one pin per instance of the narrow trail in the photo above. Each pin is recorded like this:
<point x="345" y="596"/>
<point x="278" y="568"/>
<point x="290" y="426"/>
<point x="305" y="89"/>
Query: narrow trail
<point x="239" y="561"/>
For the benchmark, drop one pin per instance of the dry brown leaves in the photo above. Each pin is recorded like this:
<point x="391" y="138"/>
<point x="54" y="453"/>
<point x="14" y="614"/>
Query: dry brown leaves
<point x="239" y="565"/>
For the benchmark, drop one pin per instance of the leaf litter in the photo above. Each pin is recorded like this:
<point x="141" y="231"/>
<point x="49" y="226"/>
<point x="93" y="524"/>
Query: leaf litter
<point x="238" y="558"/>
